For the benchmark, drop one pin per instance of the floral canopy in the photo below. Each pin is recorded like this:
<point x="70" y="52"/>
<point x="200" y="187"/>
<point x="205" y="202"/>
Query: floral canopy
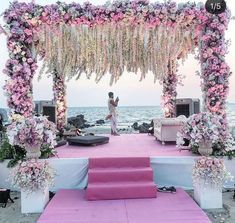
<point x="134" y="36"/>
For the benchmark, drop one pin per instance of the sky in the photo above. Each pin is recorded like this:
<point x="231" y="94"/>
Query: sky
<point x="131" y="91"/>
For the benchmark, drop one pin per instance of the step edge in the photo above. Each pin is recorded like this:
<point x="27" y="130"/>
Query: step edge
<point x="123" y="184"/>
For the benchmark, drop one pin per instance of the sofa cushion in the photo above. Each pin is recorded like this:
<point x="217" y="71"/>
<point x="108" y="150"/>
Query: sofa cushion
<point x="169" y="121"/>
<point x="172" y="121"/>
<point x="88" y="140"/>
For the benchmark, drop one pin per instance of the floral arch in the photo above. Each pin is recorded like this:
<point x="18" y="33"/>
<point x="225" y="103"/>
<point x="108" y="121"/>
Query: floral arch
<point x="123" y="35"/>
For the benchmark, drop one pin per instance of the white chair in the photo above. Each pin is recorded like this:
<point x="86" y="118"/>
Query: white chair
<point x="166" y="129"/>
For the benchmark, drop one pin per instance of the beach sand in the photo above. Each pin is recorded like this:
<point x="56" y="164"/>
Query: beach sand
<point x="12" y="213"/>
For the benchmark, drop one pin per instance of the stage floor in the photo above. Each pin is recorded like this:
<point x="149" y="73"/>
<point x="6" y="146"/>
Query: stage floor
<point x="70" y="206"/>
<point x="126" y="145"/>
<point x="170" y="166"/>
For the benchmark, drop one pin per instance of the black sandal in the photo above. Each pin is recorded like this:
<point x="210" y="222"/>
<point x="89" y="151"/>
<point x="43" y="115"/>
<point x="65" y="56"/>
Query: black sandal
<point x="173" y="190"/>
<point x="167" y="189"/>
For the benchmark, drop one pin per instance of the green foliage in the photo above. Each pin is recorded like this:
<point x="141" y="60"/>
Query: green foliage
<point x="230" y="153"/>
<point x="218" y="151"/>
<point x="16" y="153"/>
<point x="11" y="153"/>
<point x="47" y="152"/>
<point x="6" y="151"/>
<point x="194" y="149"/>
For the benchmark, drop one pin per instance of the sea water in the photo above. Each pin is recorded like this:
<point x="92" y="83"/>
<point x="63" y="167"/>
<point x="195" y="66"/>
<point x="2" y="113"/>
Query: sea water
<point x="127" y="115"/>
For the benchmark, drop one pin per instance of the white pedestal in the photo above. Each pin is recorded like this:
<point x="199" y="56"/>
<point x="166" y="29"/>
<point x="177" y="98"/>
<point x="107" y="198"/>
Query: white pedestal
<point x="207" y="197"/>
<point x="34" y="202"/>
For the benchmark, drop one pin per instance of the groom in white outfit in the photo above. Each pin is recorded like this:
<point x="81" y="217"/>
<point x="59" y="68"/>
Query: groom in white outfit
<point x="112" y="113"/>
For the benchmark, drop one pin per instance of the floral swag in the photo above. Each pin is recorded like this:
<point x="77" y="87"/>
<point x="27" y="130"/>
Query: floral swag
<point x="147" y="36"/>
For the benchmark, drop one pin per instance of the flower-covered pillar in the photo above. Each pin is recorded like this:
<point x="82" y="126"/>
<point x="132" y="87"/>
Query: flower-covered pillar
<point x="59" y="89"/>
<point x="21" y="64"/>
<point x="215" y="71"/>
<point x="169" y="91"/>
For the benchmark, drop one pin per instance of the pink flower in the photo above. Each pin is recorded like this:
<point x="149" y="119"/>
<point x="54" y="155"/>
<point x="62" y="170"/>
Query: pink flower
<point x="202" y="161"/>
<point x="36" y="172"/>
<point x="209" y="163"/>
<point x="28" y="32"/>
<point x="23" y="164"/>
<point x="217" y="162"/>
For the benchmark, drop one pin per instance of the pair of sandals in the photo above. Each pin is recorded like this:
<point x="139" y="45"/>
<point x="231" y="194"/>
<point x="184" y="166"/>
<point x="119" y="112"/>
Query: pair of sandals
<point x="167" y="189"/>
<point x="79" y="132"/>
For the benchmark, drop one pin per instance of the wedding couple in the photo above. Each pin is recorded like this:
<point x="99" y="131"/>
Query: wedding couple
<point x="112" y="116"/>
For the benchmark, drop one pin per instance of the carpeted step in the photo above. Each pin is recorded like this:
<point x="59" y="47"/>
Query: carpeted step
<point x="120" y="178"/>
<point x="119" y="162"/>
<point x="120" y="174"/>
<point x="121" y="190"/>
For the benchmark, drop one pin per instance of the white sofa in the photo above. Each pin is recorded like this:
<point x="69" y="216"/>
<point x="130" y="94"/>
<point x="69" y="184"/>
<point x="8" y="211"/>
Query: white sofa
<point x="165" y="129"/>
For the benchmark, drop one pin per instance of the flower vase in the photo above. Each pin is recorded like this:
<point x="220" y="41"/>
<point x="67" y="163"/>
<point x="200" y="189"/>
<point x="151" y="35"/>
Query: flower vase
<point x="35" y="201"/>
<point x="33" y="152"/>
<point x="205" y="148"/>
<point x="207" y="196"/>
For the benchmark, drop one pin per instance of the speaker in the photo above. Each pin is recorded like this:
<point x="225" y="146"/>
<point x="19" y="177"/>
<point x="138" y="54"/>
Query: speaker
<point x="39" y="104"/>
<point x="4" y="115"/>
<point x="187" y="106"/>
<point x="183" y="109"/>
<point x="196" y="106"/>
<point x="37" y="109"/>
<point x="49" y="111"/>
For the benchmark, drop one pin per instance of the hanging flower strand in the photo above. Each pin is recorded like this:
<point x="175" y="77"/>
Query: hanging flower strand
<point x="134" y="36"/>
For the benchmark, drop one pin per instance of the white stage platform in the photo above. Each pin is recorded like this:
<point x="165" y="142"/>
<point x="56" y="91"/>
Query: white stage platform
<point x="72" y="172"/>
<point x="171" y="167"/>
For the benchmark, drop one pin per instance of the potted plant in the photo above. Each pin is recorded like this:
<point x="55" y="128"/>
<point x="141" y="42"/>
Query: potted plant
<point x="34" y="178"/>
<point x="208" y="175"/>
<point x="31" y="133"/>
<point x="204" y="131"/>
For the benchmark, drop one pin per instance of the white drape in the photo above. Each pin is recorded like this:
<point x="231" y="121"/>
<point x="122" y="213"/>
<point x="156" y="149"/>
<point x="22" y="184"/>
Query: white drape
<point x="168" y="171"/>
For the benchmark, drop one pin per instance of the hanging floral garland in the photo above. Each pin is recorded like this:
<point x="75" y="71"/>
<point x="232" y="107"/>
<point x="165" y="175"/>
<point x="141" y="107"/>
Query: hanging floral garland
<point x="136" y="36"/>
<point x="100" y="50"/>
<point x="132" y="35"/>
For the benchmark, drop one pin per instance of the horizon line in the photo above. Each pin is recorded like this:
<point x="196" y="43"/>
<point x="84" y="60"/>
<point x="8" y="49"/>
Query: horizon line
<point x="101" y="106"/>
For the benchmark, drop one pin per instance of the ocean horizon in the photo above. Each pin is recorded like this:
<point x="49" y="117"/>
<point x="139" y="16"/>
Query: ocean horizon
<point x="127" y="115"/>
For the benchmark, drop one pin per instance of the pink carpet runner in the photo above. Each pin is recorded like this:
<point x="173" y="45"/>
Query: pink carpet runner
<point x="71" y="206"/>
<point x="128" y="145"/>
<point x="120" y="178"/>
